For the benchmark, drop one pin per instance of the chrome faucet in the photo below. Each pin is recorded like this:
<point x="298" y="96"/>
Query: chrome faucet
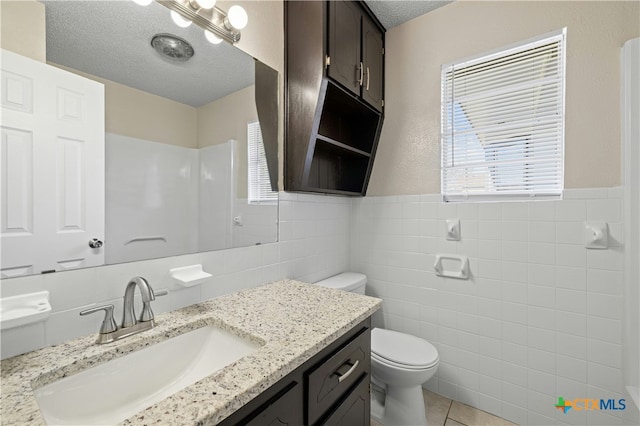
<point x="129" y="315"/>
<point x="109" y="330"/>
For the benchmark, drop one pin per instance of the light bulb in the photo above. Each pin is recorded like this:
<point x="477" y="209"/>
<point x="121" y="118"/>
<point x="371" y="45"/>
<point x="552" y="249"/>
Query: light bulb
<point x="179" y="20"/>
<point x="211" y="37"/>
<point x="143" y="2"/>
<point x="237" y="17"/>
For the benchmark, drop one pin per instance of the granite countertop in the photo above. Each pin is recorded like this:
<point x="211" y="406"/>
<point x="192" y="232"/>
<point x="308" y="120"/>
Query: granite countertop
<point x="294" y="320"/>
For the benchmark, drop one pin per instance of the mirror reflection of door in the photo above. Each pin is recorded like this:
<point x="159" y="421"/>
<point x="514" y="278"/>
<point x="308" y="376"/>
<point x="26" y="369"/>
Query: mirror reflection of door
<point x="52" y="168"/>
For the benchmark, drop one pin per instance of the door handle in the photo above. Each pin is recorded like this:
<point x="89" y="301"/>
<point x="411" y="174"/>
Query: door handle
<point x="95" y="243"/>
<point x="361" y="79"/>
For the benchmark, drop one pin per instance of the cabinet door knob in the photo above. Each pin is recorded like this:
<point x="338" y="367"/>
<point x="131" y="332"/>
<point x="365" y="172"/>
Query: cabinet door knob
<point x="361" y="79"/>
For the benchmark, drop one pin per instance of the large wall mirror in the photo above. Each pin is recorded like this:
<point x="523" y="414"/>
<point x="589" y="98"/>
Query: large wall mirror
<point x="190" y="146"/>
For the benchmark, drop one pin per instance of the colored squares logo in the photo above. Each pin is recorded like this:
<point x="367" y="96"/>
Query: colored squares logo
<point x="563" y="405"/>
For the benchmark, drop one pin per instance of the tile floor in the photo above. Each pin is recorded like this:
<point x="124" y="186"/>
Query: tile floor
<point x="442" y="411"/>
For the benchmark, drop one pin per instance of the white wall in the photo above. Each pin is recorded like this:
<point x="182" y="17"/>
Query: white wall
<point x="541" y="316"/>
<point x="314" y="244"/>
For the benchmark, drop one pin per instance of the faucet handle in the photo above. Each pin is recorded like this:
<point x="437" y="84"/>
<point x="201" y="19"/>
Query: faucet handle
<point x="108" y="324"/>
<point x="147" y="313"/>
<point x="161" y="293"/>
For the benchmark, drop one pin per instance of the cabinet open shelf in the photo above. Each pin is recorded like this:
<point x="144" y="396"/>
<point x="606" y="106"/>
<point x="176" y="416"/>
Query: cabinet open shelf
<point x="343" y="143"/>
<point x="343" y="146"/>
<point x="347" y="120"/>
<point x="336" y="169"/>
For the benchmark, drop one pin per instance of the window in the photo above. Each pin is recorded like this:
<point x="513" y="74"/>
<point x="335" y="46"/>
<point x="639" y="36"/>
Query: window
<point x="259" y="182"/>
<point x="502" y="118"/>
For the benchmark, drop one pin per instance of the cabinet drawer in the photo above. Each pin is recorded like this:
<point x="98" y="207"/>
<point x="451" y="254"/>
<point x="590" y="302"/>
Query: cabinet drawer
<point x="330" y="380"/>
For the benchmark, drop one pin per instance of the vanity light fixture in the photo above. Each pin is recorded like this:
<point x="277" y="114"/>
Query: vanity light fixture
<point x="236" y="18"/>
<point x="211" y="37"/>
<point x="179" y="20"/>
<point x="204" y="4"/>
<point x="210" y="17"/>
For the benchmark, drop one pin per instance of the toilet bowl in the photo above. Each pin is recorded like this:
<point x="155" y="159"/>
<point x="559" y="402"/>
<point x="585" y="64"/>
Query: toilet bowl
<point x="400" y="364"/>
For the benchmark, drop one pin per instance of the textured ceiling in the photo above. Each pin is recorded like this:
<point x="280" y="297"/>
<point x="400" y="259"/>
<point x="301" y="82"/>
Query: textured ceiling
<point x="111" y="39"/>
<point x="395" y="12"/>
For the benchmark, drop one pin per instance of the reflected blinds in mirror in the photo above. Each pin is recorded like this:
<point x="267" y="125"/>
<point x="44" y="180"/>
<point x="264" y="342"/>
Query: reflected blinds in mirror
<point x="259" y="183"/>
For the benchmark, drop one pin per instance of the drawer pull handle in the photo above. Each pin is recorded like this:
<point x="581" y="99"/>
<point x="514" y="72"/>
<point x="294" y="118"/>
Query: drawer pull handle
<point x="342" y="377"/>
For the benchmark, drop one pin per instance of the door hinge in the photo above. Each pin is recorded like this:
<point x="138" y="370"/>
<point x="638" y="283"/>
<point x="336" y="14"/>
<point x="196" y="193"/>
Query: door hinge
<point x="327" y="61"/>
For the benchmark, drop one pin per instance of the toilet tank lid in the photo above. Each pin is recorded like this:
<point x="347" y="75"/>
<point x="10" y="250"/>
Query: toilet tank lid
<point x="346" y="281"/>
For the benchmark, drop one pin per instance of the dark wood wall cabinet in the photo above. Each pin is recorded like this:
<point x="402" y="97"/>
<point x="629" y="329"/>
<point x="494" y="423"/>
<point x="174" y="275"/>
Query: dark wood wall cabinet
<point x="334" y="91"/>
<point x="331" y="388"/>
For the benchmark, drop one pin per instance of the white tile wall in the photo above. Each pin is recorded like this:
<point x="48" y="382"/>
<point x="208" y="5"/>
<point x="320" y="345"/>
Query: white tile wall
<point x="313" y="244"/>
<point x="540" y="317"/>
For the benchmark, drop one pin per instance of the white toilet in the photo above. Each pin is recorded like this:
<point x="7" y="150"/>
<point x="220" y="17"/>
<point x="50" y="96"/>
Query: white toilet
<point x="400" y="364"/>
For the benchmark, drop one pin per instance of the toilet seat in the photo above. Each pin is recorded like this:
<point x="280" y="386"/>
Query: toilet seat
<point x="399" y="366"/>
<point x="402" y="350"/>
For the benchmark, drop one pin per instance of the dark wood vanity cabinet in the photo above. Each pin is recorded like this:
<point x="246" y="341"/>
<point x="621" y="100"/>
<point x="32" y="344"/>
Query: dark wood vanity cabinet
<point x="334" y="95"/>
<point x="331" y="388"/>
<point x="284" y="408"/>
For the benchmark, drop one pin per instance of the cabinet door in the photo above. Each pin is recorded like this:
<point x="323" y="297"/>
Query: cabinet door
<point x="354" y="410"/>
<point x="344" y="44"/>
<point x="373" y="62"/>
<point x="284" y="409"/>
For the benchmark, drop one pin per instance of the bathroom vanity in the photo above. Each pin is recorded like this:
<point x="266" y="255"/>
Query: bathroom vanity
<point x="311" y="365"/>
<point x="330" y="388"/>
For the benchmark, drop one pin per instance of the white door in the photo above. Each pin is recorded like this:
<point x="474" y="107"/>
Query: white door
<point x="52" y="168"/>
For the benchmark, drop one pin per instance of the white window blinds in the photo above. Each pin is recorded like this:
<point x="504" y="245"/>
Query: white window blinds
<point x="503" y="123"/>
<point x="258" y="173"/>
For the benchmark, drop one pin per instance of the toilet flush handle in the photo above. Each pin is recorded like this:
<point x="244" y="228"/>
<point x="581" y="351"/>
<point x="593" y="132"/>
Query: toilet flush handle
<point x="342" y="377"/>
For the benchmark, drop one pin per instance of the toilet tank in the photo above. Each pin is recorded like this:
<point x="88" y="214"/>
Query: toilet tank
<point x="346" y="281"/>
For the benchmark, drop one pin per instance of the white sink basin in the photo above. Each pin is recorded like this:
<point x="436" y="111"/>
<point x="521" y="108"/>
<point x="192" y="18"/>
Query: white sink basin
<point x="116" y="390"/>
